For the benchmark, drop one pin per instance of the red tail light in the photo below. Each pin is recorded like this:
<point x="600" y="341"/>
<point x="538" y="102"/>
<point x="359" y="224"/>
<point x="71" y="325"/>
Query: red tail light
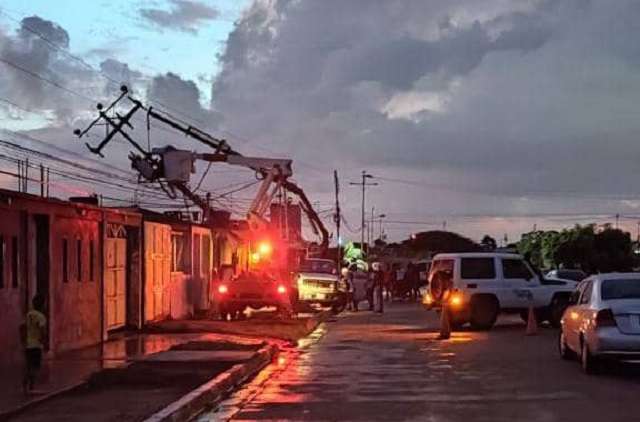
<point x="222" y="289"/>
<point x="282" y="290"/>
<point x="605" y="318"/>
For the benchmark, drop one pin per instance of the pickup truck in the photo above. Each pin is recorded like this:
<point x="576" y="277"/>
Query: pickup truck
<point x="318" y="283"/>
<point x="250" y="290"/>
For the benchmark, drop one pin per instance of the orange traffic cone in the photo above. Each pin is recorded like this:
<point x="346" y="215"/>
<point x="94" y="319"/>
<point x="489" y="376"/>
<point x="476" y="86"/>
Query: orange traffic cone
<point x="532" y="324"/>
<point x="445" y="325"/>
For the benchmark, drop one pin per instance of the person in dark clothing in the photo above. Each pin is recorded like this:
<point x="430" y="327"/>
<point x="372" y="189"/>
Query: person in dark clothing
<point x="370" y="288"/>
<point x="389" y="281"/>
<point x="378" y="281"/>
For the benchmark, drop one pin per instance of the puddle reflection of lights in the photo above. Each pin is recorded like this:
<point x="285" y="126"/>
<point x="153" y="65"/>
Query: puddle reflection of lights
<point x="461" y="338"/>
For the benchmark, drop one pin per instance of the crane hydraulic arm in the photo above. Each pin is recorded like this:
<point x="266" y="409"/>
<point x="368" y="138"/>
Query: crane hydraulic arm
<point x="173" y="166"/>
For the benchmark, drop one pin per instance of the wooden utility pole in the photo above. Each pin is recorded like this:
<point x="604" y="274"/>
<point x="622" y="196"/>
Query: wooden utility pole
<point x="42" y="181"/>
<point x="337" y="217"/>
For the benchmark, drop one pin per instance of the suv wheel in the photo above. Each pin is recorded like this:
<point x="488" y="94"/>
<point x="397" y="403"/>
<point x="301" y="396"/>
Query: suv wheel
<point x="484" y="312"/>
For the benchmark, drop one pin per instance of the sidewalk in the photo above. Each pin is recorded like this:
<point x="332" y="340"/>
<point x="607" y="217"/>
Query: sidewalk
<point x="74" y="368"/>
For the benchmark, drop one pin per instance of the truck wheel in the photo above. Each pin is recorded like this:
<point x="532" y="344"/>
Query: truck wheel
<point x="484" y="312"/>
<point x="556" y="309"/>
<point x="224" y="312"/>
<point x="337" y="308"/>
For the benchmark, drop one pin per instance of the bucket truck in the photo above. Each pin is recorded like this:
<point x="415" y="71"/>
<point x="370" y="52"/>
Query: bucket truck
<point x="172" y="169"/>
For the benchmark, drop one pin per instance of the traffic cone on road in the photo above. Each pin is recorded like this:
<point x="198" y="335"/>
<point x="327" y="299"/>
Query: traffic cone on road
<point x="445" y="325"/>
<point x="532" y="324"/>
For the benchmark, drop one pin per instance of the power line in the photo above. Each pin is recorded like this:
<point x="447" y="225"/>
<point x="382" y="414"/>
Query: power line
<point x="56" y="46"/>
<point x="28" y="110"/>
<point x="42" y="78"/>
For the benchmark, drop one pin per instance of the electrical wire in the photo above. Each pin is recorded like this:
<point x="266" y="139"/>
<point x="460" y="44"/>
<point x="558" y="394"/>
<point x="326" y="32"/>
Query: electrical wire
<point x="203" y="176"/>
<point x="49" y="81"/>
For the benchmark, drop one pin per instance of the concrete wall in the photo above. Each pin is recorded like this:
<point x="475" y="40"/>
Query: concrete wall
<point x="75" y="317"/>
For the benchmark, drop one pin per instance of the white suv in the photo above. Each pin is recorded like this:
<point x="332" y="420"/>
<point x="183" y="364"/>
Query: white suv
<point x="487" y="284"/>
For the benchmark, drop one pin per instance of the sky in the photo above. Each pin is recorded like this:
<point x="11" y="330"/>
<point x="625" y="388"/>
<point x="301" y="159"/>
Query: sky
<point x="489" y="117"/>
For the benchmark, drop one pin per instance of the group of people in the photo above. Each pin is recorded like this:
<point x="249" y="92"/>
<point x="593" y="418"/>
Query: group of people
<point x="402" y="282"/>
<point x="381" y="282"/>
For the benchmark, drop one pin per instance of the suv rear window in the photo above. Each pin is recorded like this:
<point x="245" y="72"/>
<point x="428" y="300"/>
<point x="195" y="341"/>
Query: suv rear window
<point x="477" y="269"/>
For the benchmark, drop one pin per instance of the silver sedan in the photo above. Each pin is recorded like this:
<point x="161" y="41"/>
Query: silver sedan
<point x="603" y="320"/>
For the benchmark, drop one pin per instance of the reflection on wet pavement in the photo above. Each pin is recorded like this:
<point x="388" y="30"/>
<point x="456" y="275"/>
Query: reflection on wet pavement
<point x="366" y="367"/>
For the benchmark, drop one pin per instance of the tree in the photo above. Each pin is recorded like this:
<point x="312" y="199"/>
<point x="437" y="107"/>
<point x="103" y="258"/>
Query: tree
<point x="489" y="243"/>
<point x="441" y="242"/>
<point x="581" y="247"/>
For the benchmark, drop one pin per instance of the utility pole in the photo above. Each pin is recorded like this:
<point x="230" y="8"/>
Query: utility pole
<point x="370" y="230"/>
<point x="42" y="180"/>
<point x="617" y="219"/>
<point x="337" y="217"/>
<point x="364" y="185"/>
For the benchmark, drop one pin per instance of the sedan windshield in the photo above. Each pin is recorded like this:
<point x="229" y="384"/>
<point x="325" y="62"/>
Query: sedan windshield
<point x="317" y="266"/>
<point x="620" y="289"/>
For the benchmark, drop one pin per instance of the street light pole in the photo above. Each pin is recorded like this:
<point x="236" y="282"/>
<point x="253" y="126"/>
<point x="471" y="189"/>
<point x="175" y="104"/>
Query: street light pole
<point x="364" y="185"/>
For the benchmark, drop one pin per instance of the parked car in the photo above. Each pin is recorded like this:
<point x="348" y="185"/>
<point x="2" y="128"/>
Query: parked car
<point x="603" y="321"/>
<point x="487" y="284"/>
<point x="565" y="274"/>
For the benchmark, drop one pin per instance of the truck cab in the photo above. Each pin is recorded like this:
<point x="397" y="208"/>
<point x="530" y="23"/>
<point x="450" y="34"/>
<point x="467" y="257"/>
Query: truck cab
<point x="317" y="282"/>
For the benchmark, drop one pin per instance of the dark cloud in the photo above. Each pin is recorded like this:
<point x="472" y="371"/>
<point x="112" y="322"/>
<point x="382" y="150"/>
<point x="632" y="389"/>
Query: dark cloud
<point x="36" y="64"/>
<point x="173" y="92"/>
<point x="185" y="15"/>
<point x="497" y="99"/>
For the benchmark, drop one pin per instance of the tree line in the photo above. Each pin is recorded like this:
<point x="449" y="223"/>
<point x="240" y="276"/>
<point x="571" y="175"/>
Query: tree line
<point x="589" y="248"/>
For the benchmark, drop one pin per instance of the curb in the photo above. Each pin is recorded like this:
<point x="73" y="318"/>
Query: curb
<point x="194" y="402"/>
<point x="317" y="319"/>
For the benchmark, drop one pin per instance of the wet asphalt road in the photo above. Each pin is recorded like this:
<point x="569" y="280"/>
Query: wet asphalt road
<point x="366" y="367"/>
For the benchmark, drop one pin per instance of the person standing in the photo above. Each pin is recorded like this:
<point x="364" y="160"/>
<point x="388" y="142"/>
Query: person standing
<point x="389" y="277"/>
<point x="378" y="279"/>
<point x="370" y="286"/>
<point x="33" y="333"/>
<point x="414" y="282"/>
<point x="347" y="279"/>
